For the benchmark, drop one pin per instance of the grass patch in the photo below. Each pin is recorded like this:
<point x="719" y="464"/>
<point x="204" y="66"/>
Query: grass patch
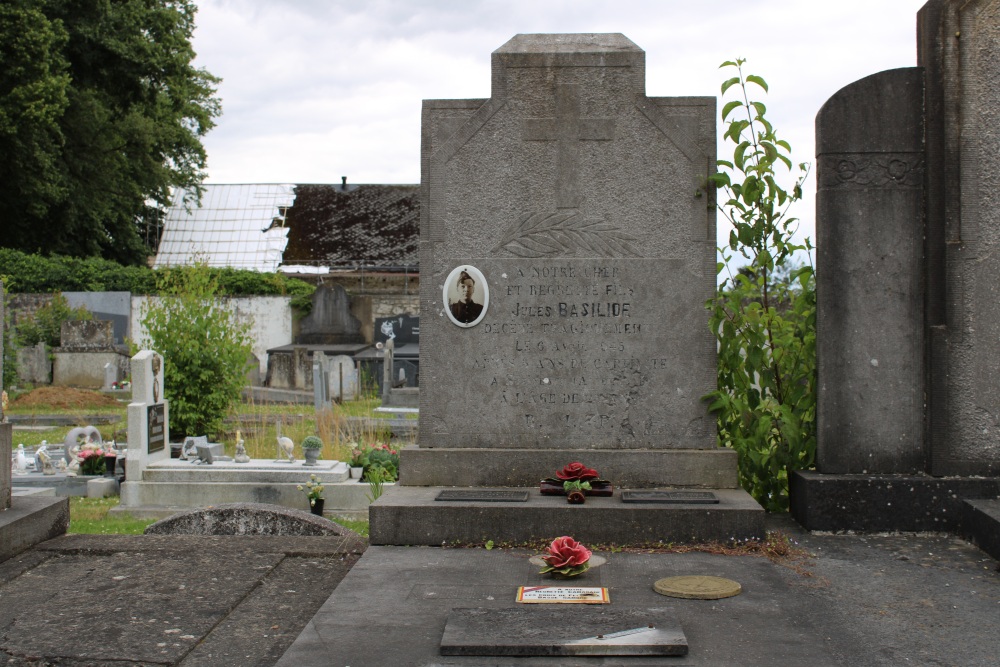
<point x="90" y="516"/>
<point x="359" y="526"/>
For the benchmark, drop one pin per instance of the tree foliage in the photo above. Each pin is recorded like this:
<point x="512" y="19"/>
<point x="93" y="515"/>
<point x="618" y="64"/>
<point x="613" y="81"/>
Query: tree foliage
<point x="764" y="315"/>
<point x="101" y="114"/>
<point x="205" y="349"/>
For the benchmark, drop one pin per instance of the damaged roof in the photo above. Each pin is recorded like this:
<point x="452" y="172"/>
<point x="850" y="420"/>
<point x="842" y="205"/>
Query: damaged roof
<point x="262" y="227"/>
<point x="347" y="226"/>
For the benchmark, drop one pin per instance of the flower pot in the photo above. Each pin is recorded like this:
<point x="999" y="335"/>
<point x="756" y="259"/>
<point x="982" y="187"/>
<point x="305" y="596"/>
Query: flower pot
<point x="316" y="507"/>
<point x="357" y="472"/>
<point x="109" y="465"/>
<point x="312" y="455"/>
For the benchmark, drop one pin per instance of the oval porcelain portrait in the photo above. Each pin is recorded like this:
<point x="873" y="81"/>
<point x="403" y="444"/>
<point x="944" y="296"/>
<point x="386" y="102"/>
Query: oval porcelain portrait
<point x="466" y="296"/>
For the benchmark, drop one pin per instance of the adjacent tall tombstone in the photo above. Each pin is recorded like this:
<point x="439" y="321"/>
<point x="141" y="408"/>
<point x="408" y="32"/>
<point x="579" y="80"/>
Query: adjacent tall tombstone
<point x="908" y="229"/>
<point x="567" y="252"/>
<point x="870" y="343"/>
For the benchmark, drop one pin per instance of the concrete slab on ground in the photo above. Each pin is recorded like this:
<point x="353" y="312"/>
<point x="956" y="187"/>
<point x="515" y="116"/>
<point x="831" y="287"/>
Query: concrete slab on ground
<point x="857" y="600"/>
<point x="29" y="520"/>
<point x="165" y="600"/>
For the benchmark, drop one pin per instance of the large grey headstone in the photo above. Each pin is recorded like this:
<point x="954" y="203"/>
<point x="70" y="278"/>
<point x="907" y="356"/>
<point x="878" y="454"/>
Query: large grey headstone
<point x="959" y="47"/>
<point x="581" y="205"/>
<point x="330" y="322"/>
<point x="869" y="341"/>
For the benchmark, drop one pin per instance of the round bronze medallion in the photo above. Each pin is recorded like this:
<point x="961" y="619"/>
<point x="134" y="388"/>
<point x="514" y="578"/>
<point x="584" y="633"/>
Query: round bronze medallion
<point x="697" y="587"/>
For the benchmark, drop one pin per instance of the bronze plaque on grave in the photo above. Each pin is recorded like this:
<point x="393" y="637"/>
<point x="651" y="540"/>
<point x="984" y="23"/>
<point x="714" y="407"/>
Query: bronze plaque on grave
<point x="483" y="496"/>
<point x="671" y="497"/>
<point x="155" y="424"/>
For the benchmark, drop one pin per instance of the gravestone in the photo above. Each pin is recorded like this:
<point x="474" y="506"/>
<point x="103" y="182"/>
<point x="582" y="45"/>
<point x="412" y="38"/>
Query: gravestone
<point x="568" y="244"/>
<point x="343" y="378"/>
<point x="330" y="322"/>
<point x="86" y="346"/>
<point x="908" y="402"/>
<point x="148" y="418"/>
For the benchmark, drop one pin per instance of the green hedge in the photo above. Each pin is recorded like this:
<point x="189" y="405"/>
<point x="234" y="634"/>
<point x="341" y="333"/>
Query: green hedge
<point x="32" y="274"/>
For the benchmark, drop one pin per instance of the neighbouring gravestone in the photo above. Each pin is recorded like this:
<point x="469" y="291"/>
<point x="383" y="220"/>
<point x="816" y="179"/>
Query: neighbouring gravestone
<point x="568" y="249"/>
<point x="148" y="418"/>
<point x="330" y="322"/>
<point x="85" y="347"/>
<point x="908" y="402"/>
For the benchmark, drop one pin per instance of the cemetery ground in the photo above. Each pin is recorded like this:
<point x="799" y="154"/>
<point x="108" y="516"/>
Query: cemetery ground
<point x="189" y="600"/>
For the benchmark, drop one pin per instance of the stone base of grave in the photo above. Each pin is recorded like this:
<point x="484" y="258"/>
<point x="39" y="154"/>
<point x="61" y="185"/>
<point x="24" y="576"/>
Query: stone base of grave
<point x="172" y="485"/>
<point x="409" y="515"/>
<point x="879" y="503"/>
<point x="981" y="524"/>
<point x="30" y="520"/>
<point x="626" y="468"/>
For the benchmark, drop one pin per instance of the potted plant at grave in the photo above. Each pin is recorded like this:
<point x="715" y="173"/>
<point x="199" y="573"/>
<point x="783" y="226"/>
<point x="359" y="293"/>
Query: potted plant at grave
<point x="314" y="493"/>
<point x="312" y="447"/>
<point x="566" y="558"/>
<point x="91" y="458"/>
<point x="576" y="481"/>
<point x="359" y="459"/>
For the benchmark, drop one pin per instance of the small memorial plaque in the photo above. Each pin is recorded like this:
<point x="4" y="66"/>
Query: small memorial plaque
<point x="548" y="631"/>
<point x="155" y="423"/>
<point x="481" y="496"/>
<point x="562" y="595"/>
<point x="671" y="497"/>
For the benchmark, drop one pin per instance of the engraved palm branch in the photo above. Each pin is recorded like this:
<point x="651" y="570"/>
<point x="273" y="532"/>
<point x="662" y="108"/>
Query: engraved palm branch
<point x="558" y="234"/>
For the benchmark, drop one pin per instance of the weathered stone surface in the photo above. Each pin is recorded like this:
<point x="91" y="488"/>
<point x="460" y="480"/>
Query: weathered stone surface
<point x="981" y="524"/>
<point x="869" y="340"/>
<point x="410" y="515"/>
<point x="581" y="202"/>
<point x="713" y="469"/>
<point x="246" y="519"/>
<point x="30" y="520"/>
<point x="871" y="503"/>
<point x="959" y="47"/>
<point x="87" y="335"/>
<point x="165" y="600"/>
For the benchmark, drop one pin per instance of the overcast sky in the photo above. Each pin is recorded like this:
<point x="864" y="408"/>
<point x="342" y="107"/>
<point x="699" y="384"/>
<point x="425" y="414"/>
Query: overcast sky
<point x="314" y="90"/>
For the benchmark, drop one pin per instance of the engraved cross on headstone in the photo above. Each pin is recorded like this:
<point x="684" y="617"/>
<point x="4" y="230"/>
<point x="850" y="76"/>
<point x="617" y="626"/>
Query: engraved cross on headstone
<point x="568" y="128"/>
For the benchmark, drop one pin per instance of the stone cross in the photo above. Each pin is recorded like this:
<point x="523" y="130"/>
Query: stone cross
<point x="568" y="128"/>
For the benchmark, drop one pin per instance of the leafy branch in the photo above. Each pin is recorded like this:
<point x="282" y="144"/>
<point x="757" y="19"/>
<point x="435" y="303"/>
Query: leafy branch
<point x="764" y="314"/>
<point x="554" y="234"/>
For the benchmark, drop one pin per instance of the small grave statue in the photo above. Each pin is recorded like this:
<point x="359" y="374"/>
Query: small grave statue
<point x="43" y="460"/>
<point x="20" y="461"/>
<point x="286" y="448"/>
<point x="241" y="451"/>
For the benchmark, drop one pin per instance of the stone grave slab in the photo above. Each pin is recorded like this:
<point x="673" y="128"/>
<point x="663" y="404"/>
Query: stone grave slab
<point x="563" y="632"/>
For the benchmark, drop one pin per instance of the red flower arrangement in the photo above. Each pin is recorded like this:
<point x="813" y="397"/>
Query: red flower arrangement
<point x="566" y="557"/>
<point x="576" y="481"/>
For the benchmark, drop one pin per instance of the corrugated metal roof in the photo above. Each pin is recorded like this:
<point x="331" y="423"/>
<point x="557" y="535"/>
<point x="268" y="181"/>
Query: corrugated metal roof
<point x="239" y="226"/>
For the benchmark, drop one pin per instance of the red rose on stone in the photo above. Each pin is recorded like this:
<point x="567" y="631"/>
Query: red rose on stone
<point x="577" y="471"/>
<point x="567" y="557"/>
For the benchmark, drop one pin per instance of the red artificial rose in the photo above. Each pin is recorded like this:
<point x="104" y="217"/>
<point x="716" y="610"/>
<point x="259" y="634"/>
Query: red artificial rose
<point x="577" y="471"/>
<point x="566" y="552"/>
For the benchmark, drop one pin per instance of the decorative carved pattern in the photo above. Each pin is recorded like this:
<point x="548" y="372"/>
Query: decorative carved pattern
<point x="560" y="234"/>
<point x="871" y="170"/>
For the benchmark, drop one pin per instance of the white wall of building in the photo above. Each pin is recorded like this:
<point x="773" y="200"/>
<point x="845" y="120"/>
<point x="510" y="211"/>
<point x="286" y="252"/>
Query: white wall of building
<point x="270" y="317"/>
